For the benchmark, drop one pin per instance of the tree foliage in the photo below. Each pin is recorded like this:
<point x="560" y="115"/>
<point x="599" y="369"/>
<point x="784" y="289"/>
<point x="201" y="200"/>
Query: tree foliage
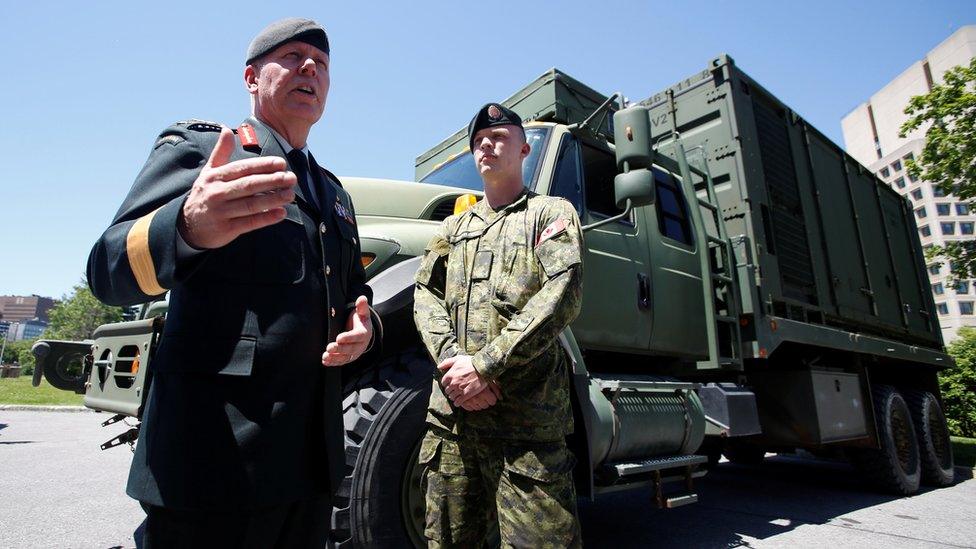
<point x="948" y="157"/>
<point x="78" y="314"/>
<point x="958" y="385"/>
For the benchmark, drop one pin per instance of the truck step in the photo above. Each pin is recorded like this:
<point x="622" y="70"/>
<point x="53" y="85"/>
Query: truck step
<point x="678" y="501"/>
<point x="626" y="469"/>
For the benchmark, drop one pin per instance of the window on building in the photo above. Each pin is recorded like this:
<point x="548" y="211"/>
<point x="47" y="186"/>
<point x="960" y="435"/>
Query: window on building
<point x="965" y="307"/>
<point x="917" y="194"/>
<point x="947" y="228"/>
<point x="966" y="227"/>
<point x="962" y="287"/>
<point x="927" y="247"/>
<point x="938" y="288"/>
<point x="937" y="191"/>
<point x="924" y="230"/>
<point x="962" y="208"/>
<point x="900" y="182"/>
<point x="934" y="269"/>
<point x="943" y="209"/>
<point x="921" y="213"/>
<point x="943" y="308"/>
<point x="912" y="178"/>
<point x="908" y="157"/>
<point x="885" y="172"/>
<point x="896" y="165"/>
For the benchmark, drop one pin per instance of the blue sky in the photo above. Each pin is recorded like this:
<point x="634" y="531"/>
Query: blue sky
<point x="86" y="86"/>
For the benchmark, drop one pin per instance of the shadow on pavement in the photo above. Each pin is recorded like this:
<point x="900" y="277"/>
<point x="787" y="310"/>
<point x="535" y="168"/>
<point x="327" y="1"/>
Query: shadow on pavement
<point x="735" y="502"/>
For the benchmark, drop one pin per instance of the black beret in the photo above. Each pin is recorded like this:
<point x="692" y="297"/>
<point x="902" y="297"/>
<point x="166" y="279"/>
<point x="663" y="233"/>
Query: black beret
<point x="284" y="31"/>
<point x="489" y="116"/>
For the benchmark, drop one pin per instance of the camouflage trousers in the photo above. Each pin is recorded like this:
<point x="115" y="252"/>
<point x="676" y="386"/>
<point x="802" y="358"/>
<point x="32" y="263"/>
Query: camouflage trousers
<point x="478" y="488"/>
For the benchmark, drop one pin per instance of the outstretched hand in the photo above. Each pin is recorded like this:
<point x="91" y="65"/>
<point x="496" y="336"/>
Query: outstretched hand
<point x="229" y="199"/>
<point x="352" y="343"/>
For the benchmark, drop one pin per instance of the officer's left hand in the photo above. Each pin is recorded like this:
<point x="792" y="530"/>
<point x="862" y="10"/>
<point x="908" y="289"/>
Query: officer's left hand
<point x="461" y="382"/>
<point x="352" y="343"/>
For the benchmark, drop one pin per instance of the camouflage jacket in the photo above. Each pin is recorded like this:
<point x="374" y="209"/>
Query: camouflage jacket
<point x="500" y="286"/>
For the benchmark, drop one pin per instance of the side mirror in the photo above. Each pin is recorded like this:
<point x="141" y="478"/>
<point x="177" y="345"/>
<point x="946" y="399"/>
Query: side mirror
<point x="632" y="139"/>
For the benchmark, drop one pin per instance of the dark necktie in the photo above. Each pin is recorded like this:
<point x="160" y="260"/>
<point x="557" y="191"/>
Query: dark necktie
<point x="299" y="163"/>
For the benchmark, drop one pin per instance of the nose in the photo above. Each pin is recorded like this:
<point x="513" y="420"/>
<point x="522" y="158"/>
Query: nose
<point x="485" y="143"/>
<point x="308" y="67"/>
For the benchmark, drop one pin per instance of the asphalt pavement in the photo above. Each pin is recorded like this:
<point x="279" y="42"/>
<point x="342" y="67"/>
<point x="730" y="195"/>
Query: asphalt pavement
<point x="58" y="489"/>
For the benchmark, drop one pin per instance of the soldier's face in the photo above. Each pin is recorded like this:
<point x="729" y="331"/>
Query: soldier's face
<point x="289" y="85"/>
<point x="499" y="150"/>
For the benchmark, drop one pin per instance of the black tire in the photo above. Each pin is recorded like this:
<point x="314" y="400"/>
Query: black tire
<point x="895" y="466"/>
<point x="742" y="453"/>
<point x="711" y="448"/>
<point x="383" y="412"/>
<point x="932" y="433"/>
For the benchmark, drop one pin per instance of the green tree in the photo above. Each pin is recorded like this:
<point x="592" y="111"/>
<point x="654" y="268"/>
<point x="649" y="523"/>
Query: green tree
<point x="948" y="158"/>
<point x="77" y="315"/>
<point x="958" y="385"/>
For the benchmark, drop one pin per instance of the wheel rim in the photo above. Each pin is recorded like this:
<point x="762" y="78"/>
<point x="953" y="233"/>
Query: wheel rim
<point x="412" y="501"/>
<point x="940" y="436"/>
<point x="901" y="432"/>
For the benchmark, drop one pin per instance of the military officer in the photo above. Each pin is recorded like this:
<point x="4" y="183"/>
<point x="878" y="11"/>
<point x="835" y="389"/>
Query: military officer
<point x="496" y="286"/>
<point x="241" y="441"/>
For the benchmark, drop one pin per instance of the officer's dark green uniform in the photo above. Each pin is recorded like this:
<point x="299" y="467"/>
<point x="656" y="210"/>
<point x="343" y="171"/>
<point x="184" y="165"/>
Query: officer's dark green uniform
<point x="500" y="286"/>
<point x="242" y="439"/>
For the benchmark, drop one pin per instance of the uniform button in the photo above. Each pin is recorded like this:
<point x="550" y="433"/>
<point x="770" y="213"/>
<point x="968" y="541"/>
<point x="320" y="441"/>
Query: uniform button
<point x="328" y="270"/>
<point x="322" y="227"/>
<point x="354" y="241"/>
<point x="332" y="311"/>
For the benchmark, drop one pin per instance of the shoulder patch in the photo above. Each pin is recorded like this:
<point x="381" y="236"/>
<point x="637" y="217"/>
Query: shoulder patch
<point x="552" y="229"/>
<point x="198" y="125"/>
<point x="170" y="138"/>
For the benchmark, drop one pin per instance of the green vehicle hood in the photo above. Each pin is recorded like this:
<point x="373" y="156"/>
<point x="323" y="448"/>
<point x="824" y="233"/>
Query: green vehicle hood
<point x="405" y="199"/>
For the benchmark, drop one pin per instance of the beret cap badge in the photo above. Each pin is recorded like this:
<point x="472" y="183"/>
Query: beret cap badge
<point x="494" y="113"/>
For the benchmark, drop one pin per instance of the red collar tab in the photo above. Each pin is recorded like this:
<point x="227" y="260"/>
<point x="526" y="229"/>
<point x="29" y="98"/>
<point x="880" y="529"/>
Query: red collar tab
<point x="249" y="138"/>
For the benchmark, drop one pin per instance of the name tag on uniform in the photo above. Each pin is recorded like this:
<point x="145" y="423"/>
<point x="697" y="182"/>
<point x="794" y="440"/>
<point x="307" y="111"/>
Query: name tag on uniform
<point x="482" y="265"/>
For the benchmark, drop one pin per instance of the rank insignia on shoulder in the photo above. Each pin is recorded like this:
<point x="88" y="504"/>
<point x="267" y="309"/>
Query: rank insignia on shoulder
<point x="196" y="124"/>
<point x="344" y="213"/>
<point x="553" y="229"/>
<point x="249" y="138"/>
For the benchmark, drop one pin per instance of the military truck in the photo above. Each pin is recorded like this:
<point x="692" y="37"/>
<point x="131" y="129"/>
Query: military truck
<point x="748" y="288"/>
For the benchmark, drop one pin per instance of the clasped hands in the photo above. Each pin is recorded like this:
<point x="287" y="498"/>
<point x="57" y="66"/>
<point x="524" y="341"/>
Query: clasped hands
<point x="464" y="386"/>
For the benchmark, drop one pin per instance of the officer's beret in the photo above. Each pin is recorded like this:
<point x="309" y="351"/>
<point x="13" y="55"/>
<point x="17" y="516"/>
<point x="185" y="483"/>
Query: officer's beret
<point x="489" y="116"/>
<point x="284" y="31"/>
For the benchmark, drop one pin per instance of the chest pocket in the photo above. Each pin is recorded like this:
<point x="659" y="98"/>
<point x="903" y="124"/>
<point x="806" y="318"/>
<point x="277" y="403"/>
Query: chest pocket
<point x="517" y="277"/>
<point x="270" y="255"/>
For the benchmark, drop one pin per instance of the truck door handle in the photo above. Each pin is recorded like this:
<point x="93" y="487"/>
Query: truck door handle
<point x="643" y="291"/>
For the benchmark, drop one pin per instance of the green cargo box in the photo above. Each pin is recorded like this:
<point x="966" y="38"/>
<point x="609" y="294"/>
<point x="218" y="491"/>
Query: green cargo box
<point x="553" y="97"/>
<point x="833" y="245"/>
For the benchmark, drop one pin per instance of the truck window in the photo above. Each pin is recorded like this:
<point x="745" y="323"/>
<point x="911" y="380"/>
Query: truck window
<point x="672" y="210"/>
<point x="566" y="182"/>
<point x="599" y="169"/>
<point x="460" y="171"/>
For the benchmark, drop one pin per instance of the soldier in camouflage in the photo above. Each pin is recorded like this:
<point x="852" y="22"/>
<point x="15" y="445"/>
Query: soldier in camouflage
<point x="497" y="285"/>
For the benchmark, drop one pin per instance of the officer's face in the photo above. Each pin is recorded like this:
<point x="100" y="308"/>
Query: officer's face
<point x="499" y="150"/>
<point x="289" y="85"/>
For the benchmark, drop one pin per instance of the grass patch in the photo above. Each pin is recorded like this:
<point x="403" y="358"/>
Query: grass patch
<point x="18" y="390"/>
<point x="964" y="450"/>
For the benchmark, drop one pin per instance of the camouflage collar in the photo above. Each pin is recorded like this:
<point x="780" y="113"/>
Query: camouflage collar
<point x="486" y="213"/>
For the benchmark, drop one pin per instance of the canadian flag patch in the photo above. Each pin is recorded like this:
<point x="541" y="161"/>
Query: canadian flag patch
<point x="552" y="230"/>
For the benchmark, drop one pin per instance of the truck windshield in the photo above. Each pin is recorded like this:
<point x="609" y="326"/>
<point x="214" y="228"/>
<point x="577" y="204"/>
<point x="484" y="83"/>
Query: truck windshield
<point x="461" y="172"/>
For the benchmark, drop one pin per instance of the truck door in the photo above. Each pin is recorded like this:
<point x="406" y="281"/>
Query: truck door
<point x="676" y="272"/>
<point x="616" y="273"/>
